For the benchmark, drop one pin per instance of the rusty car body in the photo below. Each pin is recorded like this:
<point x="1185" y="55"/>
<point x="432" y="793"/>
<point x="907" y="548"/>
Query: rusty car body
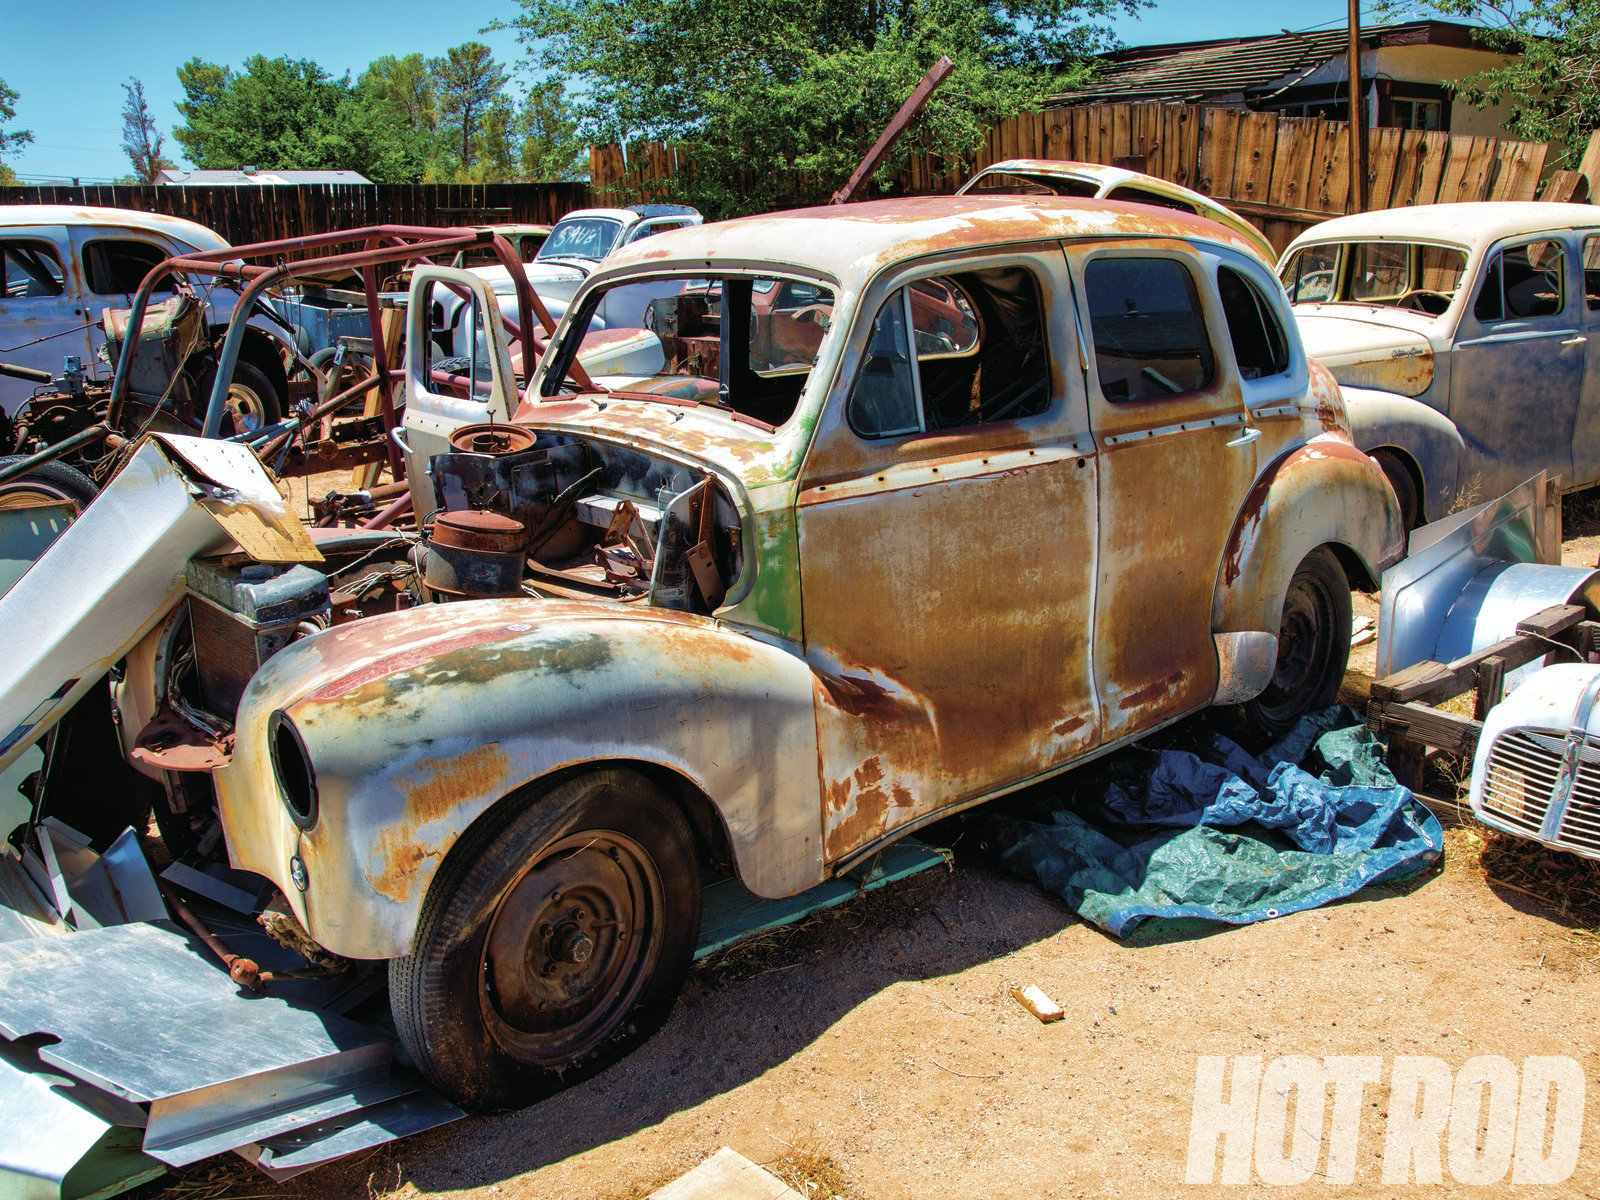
<point x="1064" y="177"/>
<point x="1055" y="474"/>
<point x="1466" y="339"/>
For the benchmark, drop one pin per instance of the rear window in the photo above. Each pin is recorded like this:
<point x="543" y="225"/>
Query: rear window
<point x="1149" y="329"/>
<point x="117" y="266"/>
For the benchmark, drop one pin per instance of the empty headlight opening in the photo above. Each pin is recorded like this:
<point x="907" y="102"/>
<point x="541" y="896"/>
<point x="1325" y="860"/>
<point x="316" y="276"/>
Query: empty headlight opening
<point x="292" y="765"/>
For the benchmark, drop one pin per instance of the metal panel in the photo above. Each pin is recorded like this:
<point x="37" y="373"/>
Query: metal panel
<point x="143" y="1014"/>
<point x="287" y="1156"/>
<point x="1420" y="592"/>
<point x="25" y="534"/>
<point x="53" y="1148"/>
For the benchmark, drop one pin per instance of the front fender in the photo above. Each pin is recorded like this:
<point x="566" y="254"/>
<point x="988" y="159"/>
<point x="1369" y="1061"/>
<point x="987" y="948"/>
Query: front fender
<point x="1423" y="433"/>
<point x="417" y="722"/>
<point x="1325" y="492"/>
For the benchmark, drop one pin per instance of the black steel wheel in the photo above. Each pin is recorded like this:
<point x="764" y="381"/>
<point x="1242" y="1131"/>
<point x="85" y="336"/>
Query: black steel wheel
<point x="552" y="941"/>
<point x="1313" y="646"/>
<point x="52" y="481"/>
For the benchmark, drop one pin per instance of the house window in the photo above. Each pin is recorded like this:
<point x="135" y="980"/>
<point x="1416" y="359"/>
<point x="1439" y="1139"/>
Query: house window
<point x="1417" y="114"/>
<point x="1149" y="329"/>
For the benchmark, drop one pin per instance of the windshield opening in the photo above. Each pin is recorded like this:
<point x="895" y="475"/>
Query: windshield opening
<point x="1411" y="275"/>
<point x="735" y="342"/>
<point x="585" y="237"/>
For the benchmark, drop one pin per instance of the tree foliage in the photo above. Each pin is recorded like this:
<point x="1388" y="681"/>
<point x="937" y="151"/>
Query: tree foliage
<point x="779" y="98"/>
<point x="10" y="140"/>
<point x="1552" y="79"/>
<point x="405" y="119"/>
<point x="141" y="139"/>
<point x="469" y="83"/>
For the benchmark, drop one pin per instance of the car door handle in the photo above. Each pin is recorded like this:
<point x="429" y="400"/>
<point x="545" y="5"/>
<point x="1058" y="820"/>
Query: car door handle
<point x="1245" y="438"/>
<point x="1575" y="341"/>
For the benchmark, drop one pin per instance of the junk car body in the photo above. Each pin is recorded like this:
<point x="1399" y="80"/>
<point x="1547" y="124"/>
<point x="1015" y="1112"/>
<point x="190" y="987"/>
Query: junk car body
<point x="66" y="265"/>
<point x="1063" y="177"/>
<point x="1054" y="474"/>
<point x="1465" y="337"/>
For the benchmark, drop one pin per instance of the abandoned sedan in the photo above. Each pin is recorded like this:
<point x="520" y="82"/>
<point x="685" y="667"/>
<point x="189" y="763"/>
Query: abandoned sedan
<point x="900" y="506"/>
<point x="1464" y="336"/>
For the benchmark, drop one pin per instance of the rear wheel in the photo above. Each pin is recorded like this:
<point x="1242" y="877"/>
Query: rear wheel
<point x="551" y="943"/>
<point x="1313" y="646"/>
<point x="252" y="400"/>
<point x="50" y="483"/>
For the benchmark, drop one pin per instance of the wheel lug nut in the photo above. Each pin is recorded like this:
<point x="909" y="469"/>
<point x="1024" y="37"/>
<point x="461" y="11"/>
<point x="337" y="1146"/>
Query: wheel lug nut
<point x="545" y="931"/>
<point x="576" y="914"/>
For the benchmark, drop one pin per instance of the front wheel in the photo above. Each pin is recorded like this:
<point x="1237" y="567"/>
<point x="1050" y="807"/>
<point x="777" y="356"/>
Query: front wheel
<point x="1313" y="646"/>
<point x="252" y="400"/>
<point x="550" y="944"/>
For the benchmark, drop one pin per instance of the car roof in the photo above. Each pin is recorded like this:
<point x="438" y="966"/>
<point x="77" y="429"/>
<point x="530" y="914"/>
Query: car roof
<point x="851" y="242"/>
<point x="196" y="235"/>
<point x="1473" y="225"/>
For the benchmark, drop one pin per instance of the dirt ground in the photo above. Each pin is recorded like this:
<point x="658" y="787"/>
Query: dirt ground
<point x="874" y="1051"/>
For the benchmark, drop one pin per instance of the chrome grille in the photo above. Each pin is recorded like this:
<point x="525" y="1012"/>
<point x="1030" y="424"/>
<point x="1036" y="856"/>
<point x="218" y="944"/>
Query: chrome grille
<point x="1520" y="779"/>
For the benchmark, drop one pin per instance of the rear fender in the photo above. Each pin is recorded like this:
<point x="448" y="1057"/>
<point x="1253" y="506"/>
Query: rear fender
<point x="417" y="723"/>
<point x="1324" y="493"/>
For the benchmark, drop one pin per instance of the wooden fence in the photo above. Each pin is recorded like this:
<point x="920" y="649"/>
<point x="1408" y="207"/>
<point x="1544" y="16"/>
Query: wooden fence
<point x="1283" y="173"/>
<point x="245" y="214"/>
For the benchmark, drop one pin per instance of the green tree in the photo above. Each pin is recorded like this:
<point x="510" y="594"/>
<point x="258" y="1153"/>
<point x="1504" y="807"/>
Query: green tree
<point x="10" y="140"/>
<point x="551" y="147"/>
<point x="396" y="117"/>
<point x="468" y="82"/>
<point x="141" y="139"/>
<point x="781" y="98"/>
<point x="1551" y="79"/>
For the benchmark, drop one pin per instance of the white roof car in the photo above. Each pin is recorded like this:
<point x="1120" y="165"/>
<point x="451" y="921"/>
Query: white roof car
<point x="1466" y="338"/>
<point x="1062" y="177"/>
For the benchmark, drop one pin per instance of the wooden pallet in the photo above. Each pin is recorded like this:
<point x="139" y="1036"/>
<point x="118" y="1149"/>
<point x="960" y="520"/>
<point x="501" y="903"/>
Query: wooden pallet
<point x="1404" y="707"/>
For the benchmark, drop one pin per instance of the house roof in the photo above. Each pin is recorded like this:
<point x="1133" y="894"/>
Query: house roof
<point x="1195" y="70"/>
<point x="252" y="177"/>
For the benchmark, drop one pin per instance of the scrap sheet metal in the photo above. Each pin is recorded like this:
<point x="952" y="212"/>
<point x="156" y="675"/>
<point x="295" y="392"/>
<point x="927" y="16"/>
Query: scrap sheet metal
<point x="106" y="581"/>
<point x="1217" y="834"/>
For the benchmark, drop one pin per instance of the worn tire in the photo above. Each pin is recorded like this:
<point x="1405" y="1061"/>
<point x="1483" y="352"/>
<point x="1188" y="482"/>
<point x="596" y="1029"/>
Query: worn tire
<point x="523" y="976"/>
<point x="1404" y="484"/>
<point x="252" y="400"/>
<point x="1313" y="646"/>
<point x="49" y="482"/>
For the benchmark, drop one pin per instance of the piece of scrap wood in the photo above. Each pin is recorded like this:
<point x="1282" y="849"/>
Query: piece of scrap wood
<point x="726" y="1175"/>
<point x="1036" y="1002"/>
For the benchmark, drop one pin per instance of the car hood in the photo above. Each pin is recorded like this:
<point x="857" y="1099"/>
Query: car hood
<point x="1365" y="349"/>
<point x="556" y="280"/>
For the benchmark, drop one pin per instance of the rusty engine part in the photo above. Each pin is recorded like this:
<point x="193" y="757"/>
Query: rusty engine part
<point x="474" y="555"/>
<point x="241" y="615"/>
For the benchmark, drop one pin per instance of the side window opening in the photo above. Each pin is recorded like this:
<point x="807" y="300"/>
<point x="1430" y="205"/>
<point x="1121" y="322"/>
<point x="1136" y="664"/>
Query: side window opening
<point x="31" y="270"/>
<point x="1524" y="281"/>
<point x="1591" y="272"/>
<point x="1259" y="345"/>
<point x="979" y="355"/>
<point x="1149" y="329"/>
<point x="115" y="267"/>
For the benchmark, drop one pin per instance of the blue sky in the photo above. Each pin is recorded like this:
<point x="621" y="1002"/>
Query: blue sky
<point x="69" y="58"/>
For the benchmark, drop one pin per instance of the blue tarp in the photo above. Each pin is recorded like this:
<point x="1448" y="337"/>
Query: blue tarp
<point x="1218" y="834"/>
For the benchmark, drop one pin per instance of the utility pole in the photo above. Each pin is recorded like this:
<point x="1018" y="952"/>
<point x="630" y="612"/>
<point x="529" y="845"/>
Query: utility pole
<point x="1358" y="124"/>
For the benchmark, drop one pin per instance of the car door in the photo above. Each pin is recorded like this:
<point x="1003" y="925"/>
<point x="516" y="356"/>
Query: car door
<point x="946" y="524"/>
<point x="1518" y="367"/>
<point x="1586" y="430"/>
<point x="114" y="264"/>
<point x="42" y="317"/>
<point x="1176" y="464"/>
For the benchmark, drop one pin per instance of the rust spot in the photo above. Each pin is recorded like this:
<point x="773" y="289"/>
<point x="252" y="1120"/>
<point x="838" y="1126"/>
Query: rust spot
<point x="1151" y="692"/>
<point x="438" y="787"/>
<point x="860" y="696"/>
<point x="1070" y="726"/>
